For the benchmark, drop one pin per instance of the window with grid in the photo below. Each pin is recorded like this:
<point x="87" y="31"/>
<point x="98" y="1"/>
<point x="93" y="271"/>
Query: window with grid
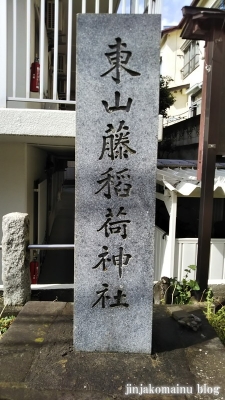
<point x="191" y="58"/>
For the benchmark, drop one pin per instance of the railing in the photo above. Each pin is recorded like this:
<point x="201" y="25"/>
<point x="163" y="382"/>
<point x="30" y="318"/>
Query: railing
<point x="185" y="254"/>
<point x="49" y="286"/>
<point x="195" y="108"/>
<point x="46" y="29"/>
<point x="51" y="247"/>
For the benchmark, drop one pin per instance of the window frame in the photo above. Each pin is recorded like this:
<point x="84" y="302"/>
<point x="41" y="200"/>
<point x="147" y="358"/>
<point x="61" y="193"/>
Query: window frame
<point x="191" y="58"/>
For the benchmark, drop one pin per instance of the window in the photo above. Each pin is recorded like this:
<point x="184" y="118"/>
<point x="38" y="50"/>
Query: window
<point x="196" y="101"/>
<point x="191" y="58"/>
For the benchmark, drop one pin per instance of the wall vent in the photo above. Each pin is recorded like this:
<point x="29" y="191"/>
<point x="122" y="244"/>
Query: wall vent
<point x="51" y="15"/>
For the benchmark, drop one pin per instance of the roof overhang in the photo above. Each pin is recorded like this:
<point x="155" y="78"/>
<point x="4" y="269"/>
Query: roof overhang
<point x="184" y="181"/>
<point x="194" y="89"/>
<point x="199" y="20"/>
<point x="180" y="87"/>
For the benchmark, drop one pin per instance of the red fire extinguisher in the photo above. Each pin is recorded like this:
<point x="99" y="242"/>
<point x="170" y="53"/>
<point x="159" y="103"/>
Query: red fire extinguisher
<point x="35" y="76"/>
<point x="34" y="269"/>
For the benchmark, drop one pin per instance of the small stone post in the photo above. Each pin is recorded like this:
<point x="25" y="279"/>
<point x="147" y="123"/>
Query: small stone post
<point x="15" y="258"/>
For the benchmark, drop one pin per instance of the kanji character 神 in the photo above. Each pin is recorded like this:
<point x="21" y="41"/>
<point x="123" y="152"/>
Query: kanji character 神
<point x="104" y="258"/>
<point x="121" y="260"/>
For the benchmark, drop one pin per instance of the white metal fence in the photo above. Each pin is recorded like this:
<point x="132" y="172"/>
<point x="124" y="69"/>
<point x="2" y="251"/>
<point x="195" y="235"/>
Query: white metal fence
<point x="186" y="251"/>
<point x="47" y="29"/>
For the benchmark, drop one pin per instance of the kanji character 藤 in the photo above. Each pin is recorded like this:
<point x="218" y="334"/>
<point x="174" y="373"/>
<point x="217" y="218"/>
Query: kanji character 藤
<point x="116" y="144"/>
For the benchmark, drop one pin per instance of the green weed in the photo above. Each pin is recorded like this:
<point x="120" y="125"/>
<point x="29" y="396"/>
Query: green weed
<point x="181" y="291"/>
<point x="5" y="323"/>
<point x="217" y="320"/>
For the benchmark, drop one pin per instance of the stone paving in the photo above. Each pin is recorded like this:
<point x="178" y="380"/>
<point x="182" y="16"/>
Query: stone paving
<point x="38" y="361"/>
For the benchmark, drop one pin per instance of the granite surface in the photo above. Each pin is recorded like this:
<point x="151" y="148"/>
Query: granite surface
<point x="117" y="95"/>
<point x="15" y="258"/>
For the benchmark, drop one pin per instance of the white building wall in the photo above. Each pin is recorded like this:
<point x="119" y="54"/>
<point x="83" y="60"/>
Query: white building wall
<point x="172" y="62"/>
<point x="42" y="123"/>
<point x="35" y="169"/>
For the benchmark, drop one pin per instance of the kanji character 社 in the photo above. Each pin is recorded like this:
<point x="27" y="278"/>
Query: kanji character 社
<point x="103" y="297"/>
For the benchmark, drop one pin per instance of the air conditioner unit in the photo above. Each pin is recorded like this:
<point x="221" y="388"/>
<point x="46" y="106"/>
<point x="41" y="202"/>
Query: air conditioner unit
<point x="51" y="15"/>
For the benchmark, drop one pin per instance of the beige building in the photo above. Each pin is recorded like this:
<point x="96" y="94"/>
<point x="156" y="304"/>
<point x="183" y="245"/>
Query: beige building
<point x="183" y="61"/>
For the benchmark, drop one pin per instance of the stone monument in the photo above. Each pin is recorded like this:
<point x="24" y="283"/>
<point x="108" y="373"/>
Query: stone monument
<point x="117" y="102"/>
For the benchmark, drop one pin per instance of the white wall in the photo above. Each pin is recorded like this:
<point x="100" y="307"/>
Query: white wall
<point x="170" y="52"/>
<point x="186" y="251"/>
<point x="12" y="181"/>
<point x="20" y="166"/>
<point x="35" y="166"/>
<point x="39" y="123"/>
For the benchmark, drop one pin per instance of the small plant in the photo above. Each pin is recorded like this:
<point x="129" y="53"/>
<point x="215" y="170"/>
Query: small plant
<point x="5" y="323"/>
<point x="217" y="320"/>
<point x="209" y="304"/>
<point x="181" y="291"/>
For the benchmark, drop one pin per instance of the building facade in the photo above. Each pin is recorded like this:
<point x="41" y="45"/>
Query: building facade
<point x="37" y="101"/>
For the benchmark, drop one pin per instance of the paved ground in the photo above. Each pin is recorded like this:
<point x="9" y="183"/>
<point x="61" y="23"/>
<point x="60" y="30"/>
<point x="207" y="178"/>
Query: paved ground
<point x="38" y="361"/>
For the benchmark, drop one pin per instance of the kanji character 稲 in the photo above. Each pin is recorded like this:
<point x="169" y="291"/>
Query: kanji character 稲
<point x="118" y="181"/>
<point x="107" y="182"/>
<point x="123" y="188"/>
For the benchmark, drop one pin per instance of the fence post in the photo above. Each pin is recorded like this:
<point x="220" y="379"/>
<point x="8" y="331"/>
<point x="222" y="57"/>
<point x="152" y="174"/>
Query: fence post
<point x="3" y="52"/>
<point x="15" y="258"/>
